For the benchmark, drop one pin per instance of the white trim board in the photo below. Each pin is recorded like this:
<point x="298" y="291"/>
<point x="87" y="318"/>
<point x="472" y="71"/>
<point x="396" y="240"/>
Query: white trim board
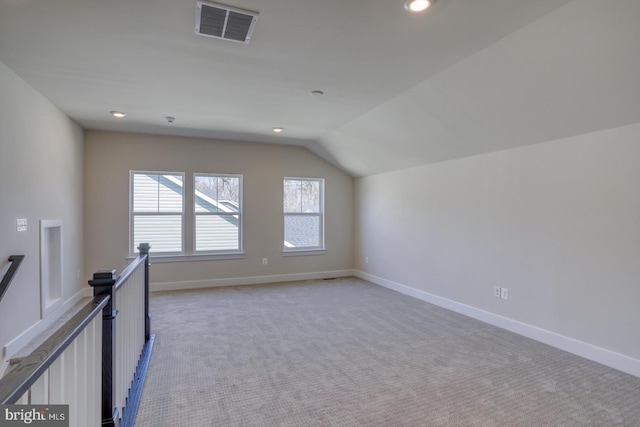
<point x="251" y="280"/>
<point x="600" y="355"/>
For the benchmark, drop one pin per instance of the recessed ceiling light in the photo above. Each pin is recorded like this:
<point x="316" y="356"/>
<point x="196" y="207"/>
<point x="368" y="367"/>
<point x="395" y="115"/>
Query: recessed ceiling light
<point x="317" y="93"/>
<point x="418" y="5"/>
<point x="278" y="130"/>
<point x="118" y="114"/>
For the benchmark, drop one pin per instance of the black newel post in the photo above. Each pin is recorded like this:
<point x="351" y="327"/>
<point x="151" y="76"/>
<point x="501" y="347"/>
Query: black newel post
<point x="103" y="283"/>
<point x="144" y="250"/>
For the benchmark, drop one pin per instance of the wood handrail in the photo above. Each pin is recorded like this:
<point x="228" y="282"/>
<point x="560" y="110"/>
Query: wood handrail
<point x="28" y="370"/>
<point x="15" y="261"/>
<point x="105" y="283"/>
<point x="129" y="269"/>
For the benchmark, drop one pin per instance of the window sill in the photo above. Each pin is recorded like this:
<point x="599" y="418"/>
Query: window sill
<point x="159" y="259"/>
<point x="303" y="252"/>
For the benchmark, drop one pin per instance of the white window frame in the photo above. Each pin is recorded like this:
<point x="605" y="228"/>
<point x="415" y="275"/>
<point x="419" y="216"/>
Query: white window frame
<point x="238" y="213"/>
<point x="306" y="250"/>
<point x="133" y="251"/>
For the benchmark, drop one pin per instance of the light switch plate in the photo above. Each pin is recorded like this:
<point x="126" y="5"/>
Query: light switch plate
<point x="21" y="224"/>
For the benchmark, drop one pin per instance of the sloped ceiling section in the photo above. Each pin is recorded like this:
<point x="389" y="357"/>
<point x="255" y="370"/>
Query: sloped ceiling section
<point x="571" y="72"/>
<point x="401" y="90"/>
<point x="143" y="57"/>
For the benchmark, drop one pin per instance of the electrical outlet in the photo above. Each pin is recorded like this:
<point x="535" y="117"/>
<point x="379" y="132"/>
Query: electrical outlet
<point x="497" y="291"/>
<point x="504" y="293"/>
<point x="366" y="260"/>
<point x="265" y="261"/>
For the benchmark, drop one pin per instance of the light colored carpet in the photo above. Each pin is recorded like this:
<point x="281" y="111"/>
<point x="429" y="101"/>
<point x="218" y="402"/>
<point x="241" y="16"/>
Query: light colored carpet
<point x="349" y="353"/>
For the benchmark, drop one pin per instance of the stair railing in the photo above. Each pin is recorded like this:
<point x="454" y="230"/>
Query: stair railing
<point x="15" y="261"/>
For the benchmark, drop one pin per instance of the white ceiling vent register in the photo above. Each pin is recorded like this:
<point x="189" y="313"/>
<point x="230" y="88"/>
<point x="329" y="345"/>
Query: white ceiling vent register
<point x="224" y="22"/>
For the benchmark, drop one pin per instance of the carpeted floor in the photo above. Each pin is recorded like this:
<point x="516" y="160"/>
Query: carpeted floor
<point x="349" y="353"/>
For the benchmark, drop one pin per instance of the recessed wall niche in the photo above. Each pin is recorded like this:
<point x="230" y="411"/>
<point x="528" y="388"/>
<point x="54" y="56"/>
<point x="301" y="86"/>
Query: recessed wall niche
<point x="50" y="266"/>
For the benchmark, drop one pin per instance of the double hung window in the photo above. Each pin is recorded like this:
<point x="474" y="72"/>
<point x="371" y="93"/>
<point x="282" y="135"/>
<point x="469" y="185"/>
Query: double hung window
<point x="303" y="214"/>
<point x="157" y="211"/>
<point x="217" y="209"/>
<point x="163" y="205"/>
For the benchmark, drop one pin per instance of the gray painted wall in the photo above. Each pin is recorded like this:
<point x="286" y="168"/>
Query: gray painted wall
<point x="40" y="179"/>
<point x="110" y="156"/>
<point x="557" y="223"/>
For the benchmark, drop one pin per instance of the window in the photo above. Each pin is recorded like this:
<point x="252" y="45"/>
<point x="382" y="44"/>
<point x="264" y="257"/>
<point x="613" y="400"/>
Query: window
<point x="157" y="211"/>
<point x="217" y="208"/>
<point x="303" y="214"/>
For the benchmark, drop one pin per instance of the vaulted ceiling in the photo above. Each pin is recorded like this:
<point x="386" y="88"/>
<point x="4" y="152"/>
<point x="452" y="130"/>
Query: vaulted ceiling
<point x="400" y="90"/>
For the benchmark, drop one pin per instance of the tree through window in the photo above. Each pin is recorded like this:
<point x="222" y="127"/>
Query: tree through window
<point x="217" y="208"/>
<point x="303" y="204"/>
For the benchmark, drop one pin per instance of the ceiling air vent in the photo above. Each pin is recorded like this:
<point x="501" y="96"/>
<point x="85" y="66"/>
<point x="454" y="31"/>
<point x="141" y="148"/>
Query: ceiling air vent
<point x="224" y="22"/>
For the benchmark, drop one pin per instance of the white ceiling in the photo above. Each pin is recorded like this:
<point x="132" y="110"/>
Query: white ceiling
<point x="467" y="77"/>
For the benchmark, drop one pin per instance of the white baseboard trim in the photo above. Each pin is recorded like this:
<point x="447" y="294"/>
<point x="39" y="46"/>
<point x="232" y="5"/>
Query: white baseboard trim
<point x="251" y="280"/>
<point x="597" y="354"/>
<point x="19" y="342"/>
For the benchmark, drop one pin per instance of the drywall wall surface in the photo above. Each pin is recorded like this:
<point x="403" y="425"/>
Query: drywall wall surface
<point x="109" y="157"/>
<point x="40" y="179"/>
<point x="556" y="223"/>
<point x="571" y="72"/>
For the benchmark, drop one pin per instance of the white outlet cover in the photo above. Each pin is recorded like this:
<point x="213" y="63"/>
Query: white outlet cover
<point x="504" y="293"/>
